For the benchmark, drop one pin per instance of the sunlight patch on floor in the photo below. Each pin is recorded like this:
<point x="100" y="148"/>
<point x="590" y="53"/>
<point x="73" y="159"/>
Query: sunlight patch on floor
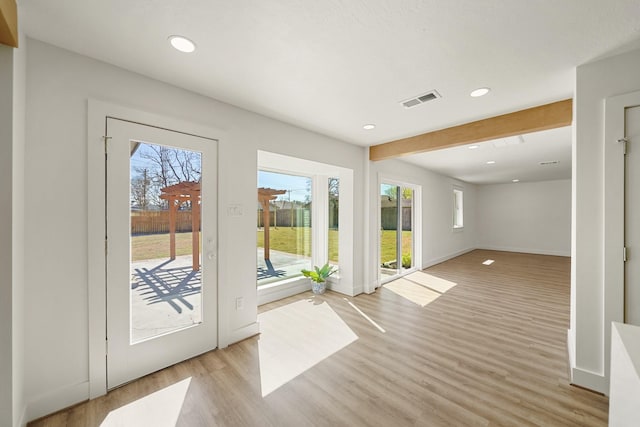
<point x="430" y="281"/>
<point x="159" y="409"/>
<point x="296" y="337"/>
<point x="420" y="288"/>
<point x="380" y="328"/>
<point x="412" y="291"/>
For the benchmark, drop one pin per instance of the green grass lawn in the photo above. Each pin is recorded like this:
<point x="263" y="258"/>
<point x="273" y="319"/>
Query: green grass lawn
<point x="292" y="240"/>
<point x="153" y="246"/>
<point x="285" y="239"/>
<point x="388" y="245"/>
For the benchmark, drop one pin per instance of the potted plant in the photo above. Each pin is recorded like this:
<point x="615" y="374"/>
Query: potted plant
<point x="319" y="276"/>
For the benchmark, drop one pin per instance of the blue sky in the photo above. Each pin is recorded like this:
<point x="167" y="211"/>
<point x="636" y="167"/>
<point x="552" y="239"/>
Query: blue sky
<point x="299" y="186"/>
<point x="137" y="161"/>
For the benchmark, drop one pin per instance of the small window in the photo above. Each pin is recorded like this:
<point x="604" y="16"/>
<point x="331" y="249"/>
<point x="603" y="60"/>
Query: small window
<point x="458" y="211"/>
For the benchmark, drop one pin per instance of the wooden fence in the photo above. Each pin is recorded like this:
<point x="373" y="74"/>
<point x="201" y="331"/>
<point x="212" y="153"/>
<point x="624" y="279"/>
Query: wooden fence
<point x="390" y="218"/>
<point x="287" y="218"/>
<point x="157" y="222"/>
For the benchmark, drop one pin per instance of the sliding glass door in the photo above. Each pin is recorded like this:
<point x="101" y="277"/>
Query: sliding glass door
<point x="396" y="230"/>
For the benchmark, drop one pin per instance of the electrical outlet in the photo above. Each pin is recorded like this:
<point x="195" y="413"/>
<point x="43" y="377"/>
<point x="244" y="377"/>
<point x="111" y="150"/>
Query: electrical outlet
<point x="239" y="303"/>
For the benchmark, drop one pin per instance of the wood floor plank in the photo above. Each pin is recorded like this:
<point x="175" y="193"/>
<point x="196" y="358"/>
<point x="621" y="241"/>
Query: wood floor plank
<point x="489" y="350"/>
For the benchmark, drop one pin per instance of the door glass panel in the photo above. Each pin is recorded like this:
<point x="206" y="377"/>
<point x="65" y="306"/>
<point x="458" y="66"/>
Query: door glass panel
<point x="284" y="226"/>
<point x="334" y="210"/>
<point x="389" y="224"/>
<point x="407" y="223"/>
<point x="166" y="278"/>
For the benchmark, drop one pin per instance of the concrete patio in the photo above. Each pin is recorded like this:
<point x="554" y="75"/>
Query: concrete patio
<point x="280" y="264"/>
<point x="166" y="294"/>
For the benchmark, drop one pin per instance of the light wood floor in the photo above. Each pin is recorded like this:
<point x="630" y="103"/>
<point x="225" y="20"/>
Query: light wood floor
<point x="489" y="351"/>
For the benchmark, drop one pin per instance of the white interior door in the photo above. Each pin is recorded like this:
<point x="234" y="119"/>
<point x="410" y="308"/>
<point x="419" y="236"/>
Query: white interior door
<point x="161" y="248"/>
<point x="632" y="216"/>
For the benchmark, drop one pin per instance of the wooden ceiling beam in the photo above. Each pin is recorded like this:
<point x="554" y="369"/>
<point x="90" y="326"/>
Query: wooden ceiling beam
<point x="549" y="116"/>
<point x="9" y="23"/>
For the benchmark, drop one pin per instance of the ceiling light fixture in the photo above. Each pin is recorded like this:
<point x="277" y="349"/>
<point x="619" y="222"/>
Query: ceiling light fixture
<point x="515" y="180"/>
<point x="369" y="126"/>
<point x="182" y="44"/>
<point x="480" y="92"/>
<point x="491" y="162"/>
<point x="473" y="147"/>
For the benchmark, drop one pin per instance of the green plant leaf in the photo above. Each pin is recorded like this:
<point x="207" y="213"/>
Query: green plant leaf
<point x="319" y="274"/>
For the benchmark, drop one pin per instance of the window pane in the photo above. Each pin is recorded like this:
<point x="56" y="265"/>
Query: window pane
<point x="389" y="224"/>
<point x="458" y="212"/>
<point x="407" y="233"/>
<point x="284" y="226"/>
<point x="165" y="240"/>
<point x="334" y="209"/>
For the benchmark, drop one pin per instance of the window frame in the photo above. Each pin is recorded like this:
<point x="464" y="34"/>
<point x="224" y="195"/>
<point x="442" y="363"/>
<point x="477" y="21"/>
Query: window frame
<point x="319" y="174"/>
<point x="458" y="201"/>
<point x="416" y="226"/>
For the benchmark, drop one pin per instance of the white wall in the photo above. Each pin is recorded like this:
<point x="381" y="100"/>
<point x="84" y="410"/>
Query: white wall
<point x="530" y="217"/>
<point x="58" y="86"/>
<point x="439" y="241"/>
<point x="6" y="263"/>
<point x="18" y="228"/>
<point x="589" y="331"/>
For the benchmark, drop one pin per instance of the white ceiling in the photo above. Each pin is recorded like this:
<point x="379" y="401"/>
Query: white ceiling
<point x="333" y="65"/>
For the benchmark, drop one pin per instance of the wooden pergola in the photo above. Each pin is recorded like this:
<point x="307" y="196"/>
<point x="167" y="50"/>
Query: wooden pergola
<point x="176" y="195"/>
<point x="265" y="195"/>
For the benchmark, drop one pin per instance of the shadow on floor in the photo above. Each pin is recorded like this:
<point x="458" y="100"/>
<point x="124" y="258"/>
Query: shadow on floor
<point x="269" y="271"/>
<point x="170" y="285"/>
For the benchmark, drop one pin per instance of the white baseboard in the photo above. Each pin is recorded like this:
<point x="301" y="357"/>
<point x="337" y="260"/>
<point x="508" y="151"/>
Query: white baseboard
<point x="357" y="290"/>
<point x="22" y="422"/>
<point x="444" y="258"/>
<point x="269" y="293"/>
<point x="525" y="250"/>
<point x="571" y="351"/>
<point x="53" y="401"/>
<point x="243" y="333"/>
<point x="447" y="257"/>
<point x="342" y="287"/>
<point x="590" y="380"/>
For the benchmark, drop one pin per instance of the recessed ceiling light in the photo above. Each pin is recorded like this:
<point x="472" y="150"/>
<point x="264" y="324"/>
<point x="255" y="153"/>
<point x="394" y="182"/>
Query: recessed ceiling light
<point x="473" y="147"/>
<point x="182" y="44"/>
<point x="369" y="126"/>
<point x="491" y="162"/>
<point x="480" y="92"/>
<point x="515" y="180"/>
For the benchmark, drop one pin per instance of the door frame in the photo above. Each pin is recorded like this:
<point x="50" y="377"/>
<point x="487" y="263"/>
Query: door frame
<point x="416" y="227"/>
<point x="98" y="111"/>
<point x="614" y="195"/>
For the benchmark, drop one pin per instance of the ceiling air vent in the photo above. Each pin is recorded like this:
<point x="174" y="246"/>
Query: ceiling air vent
<point x="420" y="99"/>
<point x="549" y="162"/>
